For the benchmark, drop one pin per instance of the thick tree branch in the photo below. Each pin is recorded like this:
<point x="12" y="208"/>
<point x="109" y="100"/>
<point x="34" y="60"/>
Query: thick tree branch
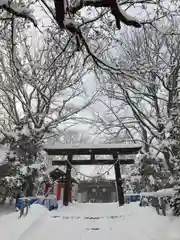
<point x="60" y="12"/>
<point x="119" y="14"/>
<point x="21" y="12"/>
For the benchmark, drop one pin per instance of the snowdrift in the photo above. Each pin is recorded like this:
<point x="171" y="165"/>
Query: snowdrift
<point x="173" y="232"/>
<point x="13" y="227"/>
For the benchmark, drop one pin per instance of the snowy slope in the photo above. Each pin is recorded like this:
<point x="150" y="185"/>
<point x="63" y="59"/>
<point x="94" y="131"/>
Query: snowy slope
<point x="94" y="221"/>
<point x="13" y="228"/>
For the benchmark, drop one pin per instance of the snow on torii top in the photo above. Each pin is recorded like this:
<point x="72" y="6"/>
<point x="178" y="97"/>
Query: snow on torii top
<point x="83" y="149"/>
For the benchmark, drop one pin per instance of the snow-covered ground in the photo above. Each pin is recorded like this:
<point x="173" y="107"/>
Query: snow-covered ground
<point x="90" y="222"/>
<point x="13" y="228"/>
<point x="6" y="209"/>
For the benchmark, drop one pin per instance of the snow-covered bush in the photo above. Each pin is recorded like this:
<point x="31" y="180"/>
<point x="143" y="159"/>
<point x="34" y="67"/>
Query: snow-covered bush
<point x="23" y="179"/>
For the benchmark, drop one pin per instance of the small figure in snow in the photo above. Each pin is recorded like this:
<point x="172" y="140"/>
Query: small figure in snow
<point x="156" y="205"/>
<point x="163" y="206"/>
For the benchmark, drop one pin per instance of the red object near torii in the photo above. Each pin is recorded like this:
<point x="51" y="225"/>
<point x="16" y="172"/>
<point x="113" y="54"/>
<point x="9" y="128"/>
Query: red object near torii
<point x="57" y="189"/>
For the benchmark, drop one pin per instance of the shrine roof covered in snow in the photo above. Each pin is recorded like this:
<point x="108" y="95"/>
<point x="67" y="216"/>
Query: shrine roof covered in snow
<point x="86" y="149"/>
<point x="57" y="174"/>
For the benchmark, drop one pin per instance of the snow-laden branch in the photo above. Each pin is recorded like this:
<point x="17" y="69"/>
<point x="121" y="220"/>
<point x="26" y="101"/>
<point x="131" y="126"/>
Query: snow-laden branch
<point x="18" y="11"/>
<point x="119" y="14"/>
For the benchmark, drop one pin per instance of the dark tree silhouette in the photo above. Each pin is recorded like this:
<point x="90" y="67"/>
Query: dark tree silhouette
<point x="60" y="12"/>
<point x="119" y="14"/>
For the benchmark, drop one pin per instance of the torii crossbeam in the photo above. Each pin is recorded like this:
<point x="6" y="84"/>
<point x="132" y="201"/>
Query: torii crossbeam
<point x="93" y="150"/>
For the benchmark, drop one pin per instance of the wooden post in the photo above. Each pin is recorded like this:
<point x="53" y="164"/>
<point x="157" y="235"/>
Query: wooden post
<point x="120" y="193"/>
<point x="67" y="183"/>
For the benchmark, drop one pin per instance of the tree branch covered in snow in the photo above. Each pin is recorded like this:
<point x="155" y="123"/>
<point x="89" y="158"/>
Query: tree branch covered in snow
<point x="119" y="14"/>
<point x="153" y="57"/>
<point x="83" y="22"/>
<point x="18" y="11"/>
<point x="41" y="90"/>
<point x="37" y="93"/>
<point x="89" y="22"/>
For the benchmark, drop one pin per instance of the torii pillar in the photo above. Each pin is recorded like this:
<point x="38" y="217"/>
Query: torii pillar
<point x="67" y="184"/>
<point x="119" y="188"/>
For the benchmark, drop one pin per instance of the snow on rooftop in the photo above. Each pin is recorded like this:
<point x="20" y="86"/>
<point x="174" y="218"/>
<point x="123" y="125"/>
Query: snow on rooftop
<point x="160" y="193"/>
<point x="166" y="192"/>
<point x="90" y="146"/>
<point x="52" y="168"/>
<point x="60" y="168"/>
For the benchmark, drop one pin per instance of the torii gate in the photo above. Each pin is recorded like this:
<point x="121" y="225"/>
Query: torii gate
<point x="92" y="150"/>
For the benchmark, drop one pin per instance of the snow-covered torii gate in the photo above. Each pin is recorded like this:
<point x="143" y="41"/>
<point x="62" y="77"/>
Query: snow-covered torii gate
<point x="92" y="150"/>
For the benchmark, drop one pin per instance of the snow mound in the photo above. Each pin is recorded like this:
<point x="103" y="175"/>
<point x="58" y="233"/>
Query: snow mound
<point x="173" y="232"/>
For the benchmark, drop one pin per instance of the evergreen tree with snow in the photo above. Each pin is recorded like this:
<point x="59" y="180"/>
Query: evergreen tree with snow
<point x="175" y="204"/>
<point x="22" y="178"/>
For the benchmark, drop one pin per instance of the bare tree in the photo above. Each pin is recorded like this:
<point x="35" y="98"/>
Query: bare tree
<point x="152" y="57"/>
<point x="37" y="93"/>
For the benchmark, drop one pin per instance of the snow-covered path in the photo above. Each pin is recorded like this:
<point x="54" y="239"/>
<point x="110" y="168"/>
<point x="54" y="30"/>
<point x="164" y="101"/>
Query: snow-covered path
<point x="102" y="221"/>
<point x="90" y="222"/>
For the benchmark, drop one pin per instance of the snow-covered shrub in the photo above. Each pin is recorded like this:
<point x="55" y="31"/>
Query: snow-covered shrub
<point x="22" y="177"/>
